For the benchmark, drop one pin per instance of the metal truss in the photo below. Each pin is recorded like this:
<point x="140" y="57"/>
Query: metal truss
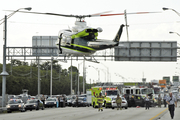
<point x="31" y="53"/>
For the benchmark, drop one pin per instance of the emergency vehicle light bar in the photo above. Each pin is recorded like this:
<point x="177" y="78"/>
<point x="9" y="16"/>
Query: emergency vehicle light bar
<point x="111" y="88"/>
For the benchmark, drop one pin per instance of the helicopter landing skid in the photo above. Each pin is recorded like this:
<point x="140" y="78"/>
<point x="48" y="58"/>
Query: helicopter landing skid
<point x="91" y="59"/>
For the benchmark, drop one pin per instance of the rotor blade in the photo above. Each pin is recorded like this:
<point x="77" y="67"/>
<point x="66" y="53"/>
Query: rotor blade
<point x="123" y="14"/>
<point x="77" y="16"/>
<point x="100" y="13"/>
<point x="83" y="16"/>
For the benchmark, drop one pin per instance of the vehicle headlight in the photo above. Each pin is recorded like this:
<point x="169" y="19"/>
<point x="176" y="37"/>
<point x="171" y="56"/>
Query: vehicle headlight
<point x="45" y="102"/>
<point x="34" y="105"/>
<point x="54" y="102"/>
<point x="19" y="106"/>
<point x="8" y="106"/>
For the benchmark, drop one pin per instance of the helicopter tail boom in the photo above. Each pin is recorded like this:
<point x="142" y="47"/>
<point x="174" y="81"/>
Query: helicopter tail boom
<point x="118" y="35"/>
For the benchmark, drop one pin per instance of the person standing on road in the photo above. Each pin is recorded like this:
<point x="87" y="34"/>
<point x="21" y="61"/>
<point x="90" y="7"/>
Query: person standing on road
<point x="147" y="102"/>
<point x="159" y="100"/>
<point x="43" y="99"/>
<point x="164" y="100"/>
<point x="118" y="102"/>
<point x="100" y="101"/>
<point x="172" y="102"/>
<point x="77" y="101"/>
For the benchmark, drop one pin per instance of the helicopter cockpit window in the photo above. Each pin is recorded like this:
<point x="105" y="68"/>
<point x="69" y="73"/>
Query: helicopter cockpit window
<point x="65" y="40"/>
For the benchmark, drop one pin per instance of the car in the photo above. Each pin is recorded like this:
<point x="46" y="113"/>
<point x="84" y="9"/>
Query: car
<point x="134" y="100"/>
<point x="124" y="103"/>
<point x="81" y="102"/>
<point x="34" y="104"/>
<point x="15" y="105"/>
<point x="50" y="102"/>
<point x="69" y="100"/>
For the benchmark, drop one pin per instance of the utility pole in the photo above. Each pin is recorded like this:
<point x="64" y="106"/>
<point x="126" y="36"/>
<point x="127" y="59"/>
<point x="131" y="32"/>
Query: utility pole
<point x="125" y="17"/>
<point x="51" y="77"/>
<point x="71" y="74"/>
<point x="38" y="78"/>
<point x="83" y="76"/>
<point x="4" y="73"/>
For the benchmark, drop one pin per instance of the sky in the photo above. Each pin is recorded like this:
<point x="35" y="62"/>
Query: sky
<point x="145" y="27"/>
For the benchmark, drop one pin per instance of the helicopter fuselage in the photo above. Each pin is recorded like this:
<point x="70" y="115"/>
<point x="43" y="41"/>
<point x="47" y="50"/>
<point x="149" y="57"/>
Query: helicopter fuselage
<point x="82" y="40"/>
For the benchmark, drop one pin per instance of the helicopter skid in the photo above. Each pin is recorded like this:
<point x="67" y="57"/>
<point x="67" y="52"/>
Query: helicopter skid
<point x="75" y="52"/>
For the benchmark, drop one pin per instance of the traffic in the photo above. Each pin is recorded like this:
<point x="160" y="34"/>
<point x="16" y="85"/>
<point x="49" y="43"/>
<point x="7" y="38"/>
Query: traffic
<point x="100" y="96"/>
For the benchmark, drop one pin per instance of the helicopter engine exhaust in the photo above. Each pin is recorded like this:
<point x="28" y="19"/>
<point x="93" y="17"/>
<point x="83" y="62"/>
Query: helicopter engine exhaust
<point x="91" y="30"/>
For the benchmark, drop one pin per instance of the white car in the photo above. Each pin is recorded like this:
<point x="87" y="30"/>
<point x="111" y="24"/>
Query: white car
<point x="124" y="103"/>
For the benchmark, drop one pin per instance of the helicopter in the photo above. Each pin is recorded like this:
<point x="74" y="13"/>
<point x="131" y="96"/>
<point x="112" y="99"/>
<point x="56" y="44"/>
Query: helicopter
<point x="81" y="40"/>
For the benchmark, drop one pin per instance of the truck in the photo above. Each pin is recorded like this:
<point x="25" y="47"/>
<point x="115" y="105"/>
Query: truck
<point x="162" y="83"/>
<point x="110" y="92"/>
<point x="154" y="82"/>
<point x="167" y="80"/>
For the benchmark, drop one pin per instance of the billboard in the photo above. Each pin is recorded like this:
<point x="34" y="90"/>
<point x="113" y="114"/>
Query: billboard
<point x="146" y="51"/>
<point x="167" y="80"/>
<point x="175" y="78"/>
<point x="44" y="45"/>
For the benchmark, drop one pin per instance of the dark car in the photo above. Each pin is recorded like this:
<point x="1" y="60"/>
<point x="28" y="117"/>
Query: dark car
<point x="34" y="104"/>
<point x="50" y="102"/>
<point x="15" y="105"/>
<point x="81" y="102"/>
<point x="135" y="100"/>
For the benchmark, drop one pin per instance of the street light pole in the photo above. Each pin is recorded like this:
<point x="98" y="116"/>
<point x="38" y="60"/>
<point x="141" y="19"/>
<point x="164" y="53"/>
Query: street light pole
<point x="172" y="10"/>
<point x="4" y="73"/>
<point x="175" y="33"/>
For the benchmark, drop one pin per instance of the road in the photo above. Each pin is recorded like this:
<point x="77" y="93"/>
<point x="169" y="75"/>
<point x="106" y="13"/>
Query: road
<point x="89" y="113"/>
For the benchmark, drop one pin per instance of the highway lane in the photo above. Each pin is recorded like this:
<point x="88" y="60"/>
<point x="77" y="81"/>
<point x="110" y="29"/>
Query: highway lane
<point x="84" y="113"/>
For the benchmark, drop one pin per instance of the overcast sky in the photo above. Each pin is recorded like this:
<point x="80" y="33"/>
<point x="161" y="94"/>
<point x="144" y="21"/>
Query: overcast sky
<point x="145" y="27"/>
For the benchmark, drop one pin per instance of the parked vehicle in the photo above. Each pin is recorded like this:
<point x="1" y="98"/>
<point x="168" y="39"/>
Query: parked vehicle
<point x="15" y="105"/>
<point x="69" y="100"/>
<point x="124" y="103"/>
<point x="50" y="102"/>
<point x="81" y="102"/>
<point x="34" y="104"/>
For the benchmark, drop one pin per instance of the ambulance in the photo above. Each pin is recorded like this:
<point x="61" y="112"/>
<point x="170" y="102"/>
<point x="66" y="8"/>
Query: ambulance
<point x="110" y="92"/>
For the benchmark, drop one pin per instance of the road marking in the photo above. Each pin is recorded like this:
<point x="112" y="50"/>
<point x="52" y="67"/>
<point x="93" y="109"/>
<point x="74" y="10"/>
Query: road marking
<point x="158" y="114"/>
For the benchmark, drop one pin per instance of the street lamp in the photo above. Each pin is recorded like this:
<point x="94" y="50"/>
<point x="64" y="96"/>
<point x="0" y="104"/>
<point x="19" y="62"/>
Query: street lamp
<point x="4" y="73"/>
<point x="174" y="32"/>
<point x="171" y="9"/>
<point x="98" y="72"/>
<point x="8" y="16"/>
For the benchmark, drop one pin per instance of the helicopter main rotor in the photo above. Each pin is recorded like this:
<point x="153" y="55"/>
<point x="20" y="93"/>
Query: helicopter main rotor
<point x="84" y="16"/>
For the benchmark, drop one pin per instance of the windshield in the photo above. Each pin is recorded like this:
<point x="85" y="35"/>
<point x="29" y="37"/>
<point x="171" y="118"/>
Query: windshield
<point x="31" y="101"/>
<point x="69" y="98"/>
<point x="157" y="91"/>
<point x="146" y="91"/>
<point x="121" y="98"/>
<point x="113" y="92"/>
<point x="51" y="100"/>
<point x="81" y="98"/>
<point x="14" y="101"/>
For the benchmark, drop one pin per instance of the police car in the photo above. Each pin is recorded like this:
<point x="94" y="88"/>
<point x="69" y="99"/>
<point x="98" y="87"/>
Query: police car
<point x="15" y="105"/>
